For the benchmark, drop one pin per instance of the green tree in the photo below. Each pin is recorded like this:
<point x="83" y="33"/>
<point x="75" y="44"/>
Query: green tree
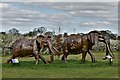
<point x="49" y="33"/>
<point x="5" y="41"/>
<point x="13" y="31"/>
<point x="65" y="34"/>
<point x="118" y="37"/>
<point x="112" y="36"/>
<point x="40" y="30"/>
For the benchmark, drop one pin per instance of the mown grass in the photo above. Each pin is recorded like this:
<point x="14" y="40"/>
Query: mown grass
<point x="73" y="69"/>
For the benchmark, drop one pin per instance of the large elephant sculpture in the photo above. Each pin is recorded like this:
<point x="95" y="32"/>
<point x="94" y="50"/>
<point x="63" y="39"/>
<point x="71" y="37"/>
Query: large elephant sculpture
<point x="76" y="44"/>
<point x="24" y="47"/>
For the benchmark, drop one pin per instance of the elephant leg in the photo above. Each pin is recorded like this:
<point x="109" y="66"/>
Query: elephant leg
<point x="83" y="56"/>
<point x="92" y="56"/>
<point x="42" y="58"/>
<point x="65" y="51"/>
<point x="36" y="57"/>
<point x="14" y="55"/>
<point x="64" y="58"/>
<point x="51" y="58"/>
<point x="51" y="55"/>
<point x="9" y="60"/>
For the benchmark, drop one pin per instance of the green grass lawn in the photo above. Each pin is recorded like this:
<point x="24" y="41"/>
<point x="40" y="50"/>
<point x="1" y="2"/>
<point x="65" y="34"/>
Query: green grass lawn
<point x="58" y="69"/>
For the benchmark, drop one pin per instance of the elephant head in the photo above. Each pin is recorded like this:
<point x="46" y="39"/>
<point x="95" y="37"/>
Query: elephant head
<point x="105" y="38"/>
<point x="42" y="41"/>
<point x="45" y="42"/>
<point x="101" y="36"/>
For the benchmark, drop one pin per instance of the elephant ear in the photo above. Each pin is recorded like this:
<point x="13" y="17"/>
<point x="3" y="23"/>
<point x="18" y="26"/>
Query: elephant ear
<point x="40" y="39"/>
<point x="96" y="38"/>
<point x="93" y="38"/>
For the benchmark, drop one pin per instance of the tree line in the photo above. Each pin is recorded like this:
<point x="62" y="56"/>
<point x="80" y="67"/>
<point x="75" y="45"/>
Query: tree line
<point x="43" y="30"/>
<point x="7" y="38"/>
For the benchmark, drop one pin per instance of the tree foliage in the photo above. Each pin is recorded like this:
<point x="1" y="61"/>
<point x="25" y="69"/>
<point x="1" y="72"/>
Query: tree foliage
<point x="118" y="37"/>
<point x="40" y="30"/>
<point x="6" y="40"/>
<point x="13" y="31"/>
<point x="49" y="33"/>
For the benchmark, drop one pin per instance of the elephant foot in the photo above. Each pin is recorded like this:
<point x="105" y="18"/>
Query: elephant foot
<point x="82" y="62"/>
<point x="48" y="61"/>
<point x="111" y="61"/>
<point x="45" y="62"/>
<point x="93" y="61"/>
<point x="8" y="61"/>
<point x="64" y="61"/>
<point x="37" y="61"/>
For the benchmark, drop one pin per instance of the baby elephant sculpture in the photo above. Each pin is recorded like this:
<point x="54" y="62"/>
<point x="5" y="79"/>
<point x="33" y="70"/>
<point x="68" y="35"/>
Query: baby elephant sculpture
<point x="24" y="47"/>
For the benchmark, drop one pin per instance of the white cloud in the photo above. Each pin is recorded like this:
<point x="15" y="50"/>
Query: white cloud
<point x="3" y="5"/>
<point x="94" y="14"/>
<point x="94" y="24"/>
<point x="84" y="6"/>
<point x="88" y="9"/>
<point x="23" y="17"/>
<point x="95" y="9"/>
<point x="30" y="18"/>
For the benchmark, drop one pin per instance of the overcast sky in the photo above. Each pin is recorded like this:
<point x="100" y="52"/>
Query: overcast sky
<point x="81" y="16"/>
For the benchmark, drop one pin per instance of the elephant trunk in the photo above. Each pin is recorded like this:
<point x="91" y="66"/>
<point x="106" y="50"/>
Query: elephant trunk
<point x="51" y="49"/>
<point x="52" y="52"/>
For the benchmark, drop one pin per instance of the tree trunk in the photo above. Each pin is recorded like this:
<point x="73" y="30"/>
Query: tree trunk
<point x="3" y="51"/>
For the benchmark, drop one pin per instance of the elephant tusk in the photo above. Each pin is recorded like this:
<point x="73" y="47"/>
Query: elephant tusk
<point x="110" y="51"/>
<point x="56" y="50"/>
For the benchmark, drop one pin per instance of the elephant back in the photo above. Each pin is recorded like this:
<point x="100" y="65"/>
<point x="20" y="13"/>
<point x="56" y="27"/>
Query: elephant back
<point x="22" y="43"/>
<point x="23" y="47"/>
<point x="73" y="43"/>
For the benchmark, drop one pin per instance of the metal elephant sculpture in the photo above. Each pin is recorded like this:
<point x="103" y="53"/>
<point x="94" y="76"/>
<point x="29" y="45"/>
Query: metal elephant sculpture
<point x="24" y="47"/>
<point x="76" y="44"/>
